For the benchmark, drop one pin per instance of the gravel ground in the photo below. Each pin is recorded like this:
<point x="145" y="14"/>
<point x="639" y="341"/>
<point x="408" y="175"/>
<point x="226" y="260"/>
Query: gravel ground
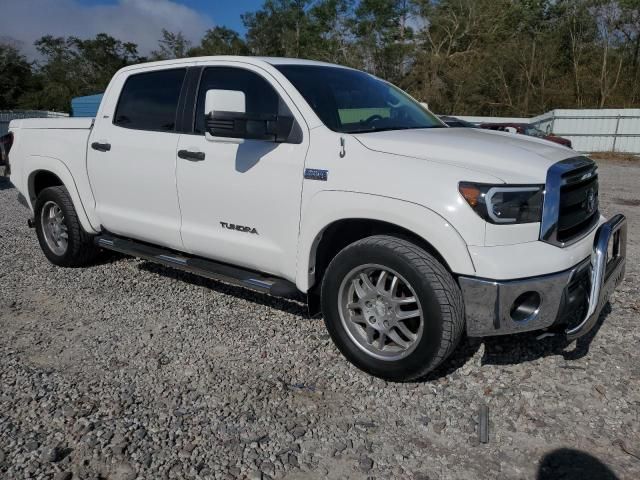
<point x="128" y="370"/>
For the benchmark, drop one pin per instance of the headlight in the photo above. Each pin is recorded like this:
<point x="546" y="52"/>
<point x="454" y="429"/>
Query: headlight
<point x="504" y="204"/>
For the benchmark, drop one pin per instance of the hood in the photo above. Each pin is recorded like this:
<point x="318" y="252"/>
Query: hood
<point x="511" y="158"/>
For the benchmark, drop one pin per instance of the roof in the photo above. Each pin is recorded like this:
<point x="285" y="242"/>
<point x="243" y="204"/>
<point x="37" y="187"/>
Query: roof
<point x="234" y="58"/>
<point x="295" y="61"/>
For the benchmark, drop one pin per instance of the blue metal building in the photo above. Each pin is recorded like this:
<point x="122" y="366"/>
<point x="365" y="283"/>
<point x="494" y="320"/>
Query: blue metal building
<point x="85" y="106"/>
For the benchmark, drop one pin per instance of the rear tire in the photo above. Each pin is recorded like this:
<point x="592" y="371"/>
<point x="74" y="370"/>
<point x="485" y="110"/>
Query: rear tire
<point x="398" y="325"/>
<point x="60" y="234"/>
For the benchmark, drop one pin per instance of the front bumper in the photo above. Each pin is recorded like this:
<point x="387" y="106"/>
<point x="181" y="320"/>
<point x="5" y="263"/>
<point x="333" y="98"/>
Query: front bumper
<point x="572" y="298"/>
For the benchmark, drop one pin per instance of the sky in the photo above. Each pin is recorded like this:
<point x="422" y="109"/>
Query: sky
<point x="138" y="21"/>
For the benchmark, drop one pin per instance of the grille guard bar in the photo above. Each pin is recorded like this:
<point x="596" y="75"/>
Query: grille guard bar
<point x="606" y="273"/>
<point x="556" y="178"/>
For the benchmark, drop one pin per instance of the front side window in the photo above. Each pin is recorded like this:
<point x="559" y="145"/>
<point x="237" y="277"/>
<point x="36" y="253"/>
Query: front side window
<point x="350" y="101"/>
<point x="149" y="101"/>
<point x="260" y="97"/>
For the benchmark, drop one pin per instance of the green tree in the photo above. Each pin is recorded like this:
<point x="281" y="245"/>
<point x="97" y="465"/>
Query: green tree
<point x="280" y="28"/>
<point x="74" y="67"/>
<point x="171" y="45"/>
<point x="384" y="37"/>
<point x="576" y="34"/>
<point x="220" y="41"/>
<point x="16" y="77"/>
<point x="630" y="30"/>
<point x="459" y="65"/>
<point x="492" y="57"/>
<point x="313" y="29"/>
<point x="330" y="30"/>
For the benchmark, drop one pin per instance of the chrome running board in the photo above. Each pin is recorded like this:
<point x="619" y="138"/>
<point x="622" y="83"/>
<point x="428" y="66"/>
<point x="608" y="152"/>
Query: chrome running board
<point x="252" y="280"/>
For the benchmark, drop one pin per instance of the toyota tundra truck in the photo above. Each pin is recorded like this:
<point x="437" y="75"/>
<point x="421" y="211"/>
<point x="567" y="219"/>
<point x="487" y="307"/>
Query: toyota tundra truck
<point x="303" y="179"/>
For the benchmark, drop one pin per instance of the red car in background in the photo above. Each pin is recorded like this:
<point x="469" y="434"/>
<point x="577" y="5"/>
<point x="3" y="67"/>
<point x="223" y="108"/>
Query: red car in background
<point x="526" y="129"/>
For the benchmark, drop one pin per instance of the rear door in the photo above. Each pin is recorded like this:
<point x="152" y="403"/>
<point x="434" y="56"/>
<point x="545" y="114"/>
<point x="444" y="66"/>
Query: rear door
<point x="132" y="156"/>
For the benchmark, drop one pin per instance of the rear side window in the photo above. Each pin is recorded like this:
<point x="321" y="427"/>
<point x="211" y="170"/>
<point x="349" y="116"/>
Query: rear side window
<point x="260" y="96"/>
<point x="149" y="101"/>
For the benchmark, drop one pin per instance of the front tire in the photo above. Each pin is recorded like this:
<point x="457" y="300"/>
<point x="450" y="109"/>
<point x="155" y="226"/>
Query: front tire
<point x="391" y="308"/>
<point x="60" y="234"/>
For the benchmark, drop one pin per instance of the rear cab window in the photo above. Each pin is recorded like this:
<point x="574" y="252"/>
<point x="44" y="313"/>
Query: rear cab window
<point x="149" y="101"/>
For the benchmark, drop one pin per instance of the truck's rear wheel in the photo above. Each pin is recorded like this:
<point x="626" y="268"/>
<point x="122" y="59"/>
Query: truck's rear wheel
<point x="391" y="308"/>
<point x="60" y="234"/>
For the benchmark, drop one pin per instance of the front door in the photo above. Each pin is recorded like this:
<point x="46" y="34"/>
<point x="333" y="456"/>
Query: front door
<point x="240" y="199"/>
<point x="131" y="158"/>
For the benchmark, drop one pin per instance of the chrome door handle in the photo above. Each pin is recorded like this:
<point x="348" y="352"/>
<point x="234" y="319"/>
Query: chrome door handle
<point x="193" y="156"/>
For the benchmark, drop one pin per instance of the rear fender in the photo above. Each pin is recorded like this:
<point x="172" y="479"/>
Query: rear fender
<point x="37" y="163"/>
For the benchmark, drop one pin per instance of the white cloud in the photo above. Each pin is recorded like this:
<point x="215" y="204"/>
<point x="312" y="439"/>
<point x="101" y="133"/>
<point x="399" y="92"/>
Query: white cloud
<point x="138" y="21"/>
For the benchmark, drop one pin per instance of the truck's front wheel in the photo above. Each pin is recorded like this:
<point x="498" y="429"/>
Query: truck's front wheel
<point x="391" y="308"/>
<point x="60" y="234"/>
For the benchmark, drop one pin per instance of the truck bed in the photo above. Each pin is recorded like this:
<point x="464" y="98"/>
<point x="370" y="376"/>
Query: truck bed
<point x="52" y="123"/>
<point x="56" y="145"/>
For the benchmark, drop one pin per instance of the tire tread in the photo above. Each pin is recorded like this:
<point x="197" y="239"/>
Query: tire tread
<point x="82" y="250"/>
<point x="444" y="286"/>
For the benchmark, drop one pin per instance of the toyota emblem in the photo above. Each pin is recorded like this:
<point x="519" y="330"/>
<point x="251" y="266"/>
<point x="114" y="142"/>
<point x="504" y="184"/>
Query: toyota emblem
<point x="592" y="202"/>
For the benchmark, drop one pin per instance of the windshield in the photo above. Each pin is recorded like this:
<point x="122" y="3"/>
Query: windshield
<point x="533" y="131"/>
<point x="350" y="101"/>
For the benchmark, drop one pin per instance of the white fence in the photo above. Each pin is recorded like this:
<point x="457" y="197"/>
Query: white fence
<point x="590" y="130"/>
<point x="7" y="115"/>
<point x="606" y="130"/>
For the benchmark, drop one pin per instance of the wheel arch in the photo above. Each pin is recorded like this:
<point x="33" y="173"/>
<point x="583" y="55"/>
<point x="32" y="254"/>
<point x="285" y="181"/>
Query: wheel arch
<point x="348" y="217"/>
<point x="41" y="179"/>
<point x="46" y="172"/>
<point x="346" y="231"/>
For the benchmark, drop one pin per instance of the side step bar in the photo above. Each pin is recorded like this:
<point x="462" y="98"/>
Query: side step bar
<point x="277" y="287"/>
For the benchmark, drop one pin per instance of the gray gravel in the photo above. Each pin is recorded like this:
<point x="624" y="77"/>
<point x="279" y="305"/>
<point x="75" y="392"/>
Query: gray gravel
<point x="128" y="370"/>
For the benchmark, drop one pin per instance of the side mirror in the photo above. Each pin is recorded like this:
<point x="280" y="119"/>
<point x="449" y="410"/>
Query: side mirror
<point x="225" y="101"/>
<point x="226" y="117"/>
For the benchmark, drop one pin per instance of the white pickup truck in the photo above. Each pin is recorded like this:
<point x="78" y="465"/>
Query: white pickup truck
<point x="290" y="176"/>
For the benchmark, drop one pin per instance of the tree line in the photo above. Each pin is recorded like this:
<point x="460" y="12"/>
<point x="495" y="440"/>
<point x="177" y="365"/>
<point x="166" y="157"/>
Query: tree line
<point x="474" y="57"/>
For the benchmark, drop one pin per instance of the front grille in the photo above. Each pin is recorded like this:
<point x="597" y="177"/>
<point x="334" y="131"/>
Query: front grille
<point x="570" y="208"/>
<point x="578" y="203"/>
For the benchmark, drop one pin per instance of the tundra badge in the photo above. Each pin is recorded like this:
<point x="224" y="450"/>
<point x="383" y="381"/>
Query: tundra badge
<point x="239" y="228"/>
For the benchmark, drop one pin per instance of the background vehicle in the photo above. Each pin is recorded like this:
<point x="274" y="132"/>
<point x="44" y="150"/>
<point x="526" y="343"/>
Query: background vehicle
<point x="526" y="129"/>
<point x="5" y="145"/>
<point x="288" y="176"/>
<point x="456" y="122"/>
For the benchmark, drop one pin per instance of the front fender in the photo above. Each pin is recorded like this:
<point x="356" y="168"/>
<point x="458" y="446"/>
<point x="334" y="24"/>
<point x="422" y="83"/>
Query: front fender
<point x="329" y="206"/>
<point x="36" y="163"/>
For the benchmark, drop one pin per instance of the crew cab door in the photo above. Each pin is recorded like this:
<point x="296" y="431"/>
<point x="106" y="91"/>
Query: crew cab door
<point x="131" y="157"/>
<point x="240" y="198"/>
